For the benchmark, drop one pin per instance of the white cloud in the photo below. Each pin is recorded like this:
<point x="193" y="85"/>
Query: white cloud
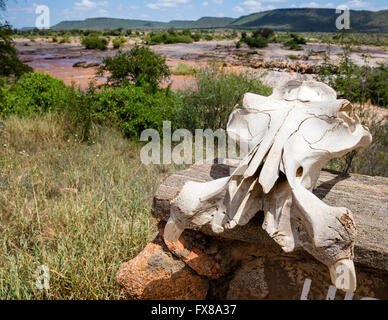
<point x="217" y="1"/>
<point x="166" y="4"/>
<point x="238" y="9"/>
<point x="309" y="5"/>
<point x="253" y="5"/>
<point x="256" y="5"/>
<point x="357" y="4"/>
<point x="205" y="3"/>
<point x="318" y="5"/>
<point x="89" y="5"/>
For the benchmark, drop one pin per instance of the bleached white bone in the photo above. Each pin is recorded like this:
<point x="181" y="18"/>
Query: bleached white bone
<point x="292" y="134"/>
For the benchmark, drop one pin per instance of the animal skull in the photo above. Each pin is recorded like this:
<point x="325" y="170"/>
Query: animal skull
<point x="291" y="136"/>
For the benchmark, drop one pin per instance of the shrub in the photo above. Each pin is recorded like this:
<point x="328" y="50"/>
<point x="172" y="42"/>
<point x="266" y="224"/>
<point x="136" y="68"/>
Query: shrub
<point x="34" y="93"/>
<point x="196" y="37"/>
<point x="357" y="83"/>
<point x="264" y="33"/>
<point x="169" y="38"/>
<point x="361" y="85"/>
<point x="78" y="113"/>
<point x="259" y="38"/>
<point x="65" y="40"/>
<point x="208" y="37"/>
<point x="294" y="42"/>
<point x="218" y="92"/>
<point x="95" y="42"/>
<point x="293" y="46"/>
<point x="374" y="160"/>
<point x="377" y="85"/>
<point x="118" y="42"/>
<point x="135" y="109"/>
<point x="140" y="65"/>
<point x="256" y="42"/>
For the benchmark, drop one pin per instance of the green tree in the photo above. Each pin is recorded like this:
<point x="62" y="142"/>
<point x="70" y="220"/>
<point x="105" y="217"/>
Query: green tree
<point x="141" y="66"/>
<point x="10" y="64"/>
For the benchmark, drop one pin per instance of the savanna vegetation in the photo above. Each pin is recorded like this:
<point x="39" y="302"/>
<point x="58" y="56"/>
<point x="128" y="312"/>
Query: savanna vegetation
<point x="95" y="42"/>
<point x="262" y="37"/>
<point x="364" y="86"/>
<point x="75" y="196"/>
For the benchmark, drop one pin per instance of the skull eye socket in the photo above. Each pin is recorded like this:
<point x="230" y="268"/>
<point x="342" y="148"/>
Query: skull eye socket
<point x="299" y="172"/>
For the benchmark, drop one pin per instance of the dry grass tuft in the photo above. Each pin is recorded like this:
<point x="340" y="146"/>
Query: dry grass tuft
<point x="79" y="209"/>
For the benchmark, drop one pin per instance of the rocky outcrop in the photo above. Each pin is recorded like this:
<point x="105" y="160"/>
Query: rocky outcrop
<point x="155" y="274"/>
<point x="245" y="263"/>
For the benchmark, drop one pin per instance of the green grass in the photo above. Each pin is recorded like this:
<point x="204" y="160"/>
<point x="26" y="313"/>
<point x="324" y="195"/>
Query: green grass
<point x="293" y="57"/>
<point x="182" y="69"/>
<point x="80" y="209"/>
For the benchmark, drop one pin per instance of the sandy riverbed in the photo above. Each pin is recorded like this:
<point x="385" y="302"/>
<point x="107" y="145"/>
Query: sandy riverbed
<point x="58" y="59"/>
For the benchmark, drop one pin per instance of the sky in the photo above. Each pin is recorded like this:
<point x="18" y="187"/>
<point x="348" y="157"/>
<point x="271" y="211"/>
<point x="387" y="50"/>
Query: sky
<point x="21" y="13"/>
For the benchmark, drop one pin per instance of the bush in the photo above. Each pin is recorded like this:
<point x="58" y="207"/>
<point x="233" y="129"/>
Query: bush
<point x="196" y="37"/>
<point x="259" y="38"/>
<point x="169" y="38"/>
<point x="140" y="65"/>
<point x="361" y="85"/>
<point x="294" y="42"/>
<point x="358" y="84"/>
<point x="65" y="40"/>
<point x="95" y="42"/>
<point x="118" y="42"/>
<point x="135" y="109"/>
<point x="377" y="85"/>
<point x="218" y="92"/>
<point x="208" y="37"/>
<point x="372" y="161"/>
<point x="256" y="42"/>
<point x="264" y="33"/>
<point x="33" y="93"/>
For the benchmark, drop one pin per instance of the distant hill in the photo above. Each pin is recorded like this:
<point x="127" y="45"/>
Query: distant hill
<point x="106" y="24"/>
<point x="313" y="20"/>
<point x="112" y="23"/>
<point x="300" y="20"/>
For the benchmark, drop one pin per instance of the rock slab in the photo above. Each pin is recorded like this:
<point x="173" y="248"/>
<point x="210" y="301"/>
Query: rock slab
<point x="155" y="274"/>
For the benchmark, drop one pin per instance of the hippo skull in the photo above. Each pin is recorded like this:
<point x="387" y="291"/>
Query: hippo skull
<point x="291" y="136"/>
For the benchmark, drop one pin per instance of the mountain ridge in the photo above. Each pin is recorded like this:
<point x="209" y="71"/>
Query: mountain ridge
<point x="294" y="19"/>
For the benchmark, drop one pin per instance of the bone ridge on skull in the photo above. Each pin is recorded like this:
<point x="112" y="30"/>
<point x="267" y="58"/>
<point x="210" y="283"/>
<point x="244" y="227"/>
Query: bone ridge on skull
<point x="291" y="136"/>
